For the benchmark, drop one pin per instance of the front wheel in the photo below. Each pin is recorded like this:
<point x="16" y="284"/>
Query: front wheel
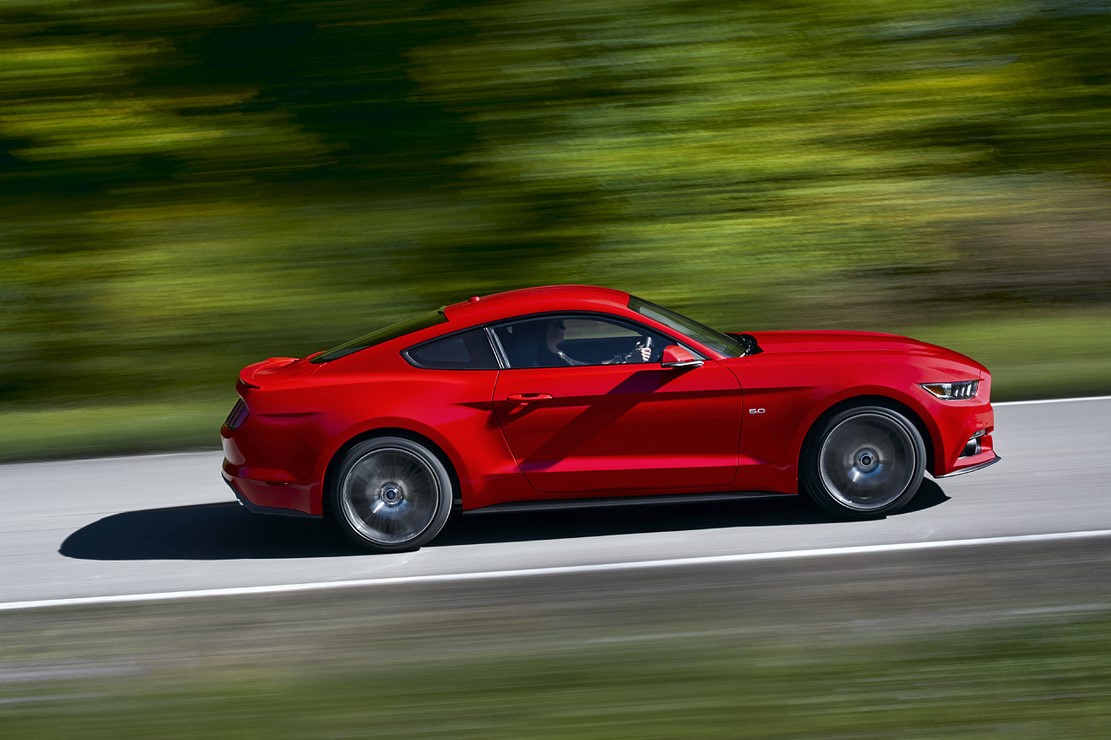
<point x="864" y="462"/>
<point x="391" y="494"/>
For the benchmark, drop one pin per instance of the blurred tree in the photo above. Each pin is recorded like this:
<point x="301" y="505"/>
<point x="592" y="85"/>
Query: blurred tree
<point x="784" y="144"/>
<point x="214" y="163"/>
<point x="185" y="187"/>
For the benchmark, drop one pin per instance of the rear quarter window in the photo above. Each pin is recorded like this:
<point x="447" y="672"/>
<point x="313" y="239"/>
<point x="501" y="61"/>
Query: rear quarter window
<point x="468" y="350"/>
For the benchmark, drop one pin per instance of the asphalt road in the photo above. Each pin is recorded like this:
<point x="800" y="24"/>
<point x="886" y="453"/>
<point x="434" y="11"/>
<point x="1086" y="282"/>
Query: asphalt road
<point x="167" y="524"/>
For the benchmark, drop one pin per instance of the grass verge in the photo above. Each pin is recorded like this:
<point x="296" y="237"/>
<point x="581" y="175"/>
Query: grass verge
<point x="374" y="676"/>
<point x="111" y="429"/>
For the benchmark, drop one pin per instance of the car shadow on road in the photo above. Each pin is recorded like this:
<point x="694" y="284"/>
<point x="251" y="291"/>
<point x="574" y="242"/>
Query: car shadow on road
<point x="225" y="531"/>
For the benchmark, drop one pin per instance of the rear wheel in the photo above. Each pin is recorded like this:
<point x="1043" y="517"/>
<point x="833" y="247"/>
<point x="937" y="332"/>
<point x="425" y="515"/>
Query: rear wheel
<point x="864" y="462"/>
<point x="391" y="494"/>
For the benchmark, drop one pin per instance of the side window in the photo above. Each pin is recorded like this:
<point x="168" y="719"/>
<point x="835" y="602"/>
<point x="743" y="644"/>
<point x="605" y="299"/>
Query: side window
<point x="558" y="341"/>
<point x="468" y="350"/>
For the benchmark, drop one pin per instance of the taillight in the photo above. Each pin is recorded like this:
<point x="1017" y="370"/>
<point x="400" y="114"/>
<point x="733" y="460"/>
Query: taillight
<point x="237" y="416"/>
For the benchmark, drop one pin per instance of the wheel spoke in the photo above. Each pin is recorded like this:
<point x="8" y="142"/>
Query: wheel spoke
<point x="867" y="461"/>
<point x="390" y="495"/>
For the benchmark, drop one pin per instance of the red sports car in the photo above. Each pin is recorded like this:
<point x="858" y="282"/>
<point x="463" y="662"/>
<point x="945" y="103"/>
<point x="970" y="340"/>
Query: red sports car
<point x="572" y="394"/>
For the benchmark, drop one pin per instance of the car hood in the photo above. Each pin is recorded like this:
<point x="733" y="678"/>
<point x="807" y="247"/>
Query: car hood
<point x="853" y="342"/>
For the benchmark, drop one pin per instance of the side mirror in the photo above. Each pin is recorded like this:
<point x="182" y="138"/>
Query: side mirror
<point x="676" y="356"/>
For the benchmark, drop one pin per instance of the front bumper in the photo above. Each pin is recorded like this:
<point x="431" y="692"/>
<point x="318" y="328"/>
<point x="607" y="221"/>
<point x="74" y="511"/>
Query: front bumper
<point x="964" y="430"/>
<point x="972" y="468"/>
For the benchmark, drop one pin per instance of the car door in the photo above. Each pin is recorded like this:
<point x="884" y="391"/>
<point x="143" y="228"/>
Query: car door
<point x="611" y="422"/>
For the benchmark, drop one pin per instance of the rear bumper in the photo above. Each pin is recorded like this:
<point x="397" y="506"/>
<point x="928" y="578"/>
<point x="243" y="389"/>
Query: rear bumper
<point x="241" y="486"/>
<point x="265" y="490"/>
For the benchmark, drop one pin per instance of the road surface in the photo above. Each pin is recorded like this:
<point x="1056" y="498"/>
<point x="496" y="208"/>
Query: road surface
<point x="93" y="531"/>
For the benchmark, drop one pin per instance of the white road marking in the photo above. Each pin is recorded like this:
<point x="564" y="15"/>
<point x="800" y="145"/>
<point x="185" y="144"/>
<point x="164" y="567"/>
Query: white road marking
<point x="1049" y="400"/>
<point x="551" y="571"/>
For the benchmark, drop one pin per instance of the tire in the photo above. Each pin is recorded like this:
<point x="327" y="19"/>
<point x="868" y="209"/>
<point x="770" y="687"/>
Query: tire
<point x="391" y="494"/>
<point x="864" y="462"/>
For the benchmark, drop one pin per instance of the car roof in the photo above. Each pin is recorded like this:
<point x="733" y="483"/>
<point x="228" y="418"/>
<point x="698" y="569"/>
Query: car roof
<point x="479" y="310"/>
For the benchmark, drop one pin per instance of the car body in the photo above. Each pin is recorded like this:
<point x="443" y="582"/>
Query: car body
<point x="477" y="406"/>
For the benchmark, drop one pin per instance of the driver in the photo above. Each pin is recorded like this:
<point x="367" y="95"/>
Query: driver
<point x="551" y="354"/>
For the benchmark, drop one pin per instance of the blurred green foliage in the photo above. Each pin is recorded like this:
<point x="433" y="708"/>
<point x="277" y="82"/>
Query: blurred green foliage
<point x="186" y="187"/>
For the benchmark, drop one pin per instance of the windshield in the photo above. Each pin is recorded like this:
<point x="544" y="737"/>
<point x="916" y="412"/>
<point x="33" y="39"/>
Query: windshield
<point x="715" y="340"/>
<point x="393" y="331"/>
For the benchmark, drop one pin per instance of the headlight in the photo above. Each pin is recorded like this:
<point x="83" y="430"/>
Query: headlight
<point x="958" y="391"/>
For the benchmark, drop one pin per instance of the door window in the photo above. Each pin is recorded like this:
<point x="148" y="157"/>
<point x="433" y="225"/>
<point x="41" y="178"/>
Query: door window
<point x="560" y="341"/>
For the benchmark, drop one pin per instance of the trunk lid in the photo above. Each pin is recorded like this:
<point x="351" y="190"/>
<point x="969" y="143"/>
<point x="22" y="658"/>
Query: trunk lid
<point x="275" y="370"/>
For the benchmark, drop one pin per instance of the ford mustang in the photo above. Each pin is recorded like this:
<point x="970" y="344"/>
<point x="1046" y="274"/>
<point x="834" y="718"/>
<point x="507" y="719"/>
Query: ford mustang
<point x="565" y="395"/>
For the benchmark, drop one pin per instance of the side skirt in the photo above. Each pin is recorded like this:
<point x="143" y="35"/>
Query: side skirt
<point x="600" y="503"/>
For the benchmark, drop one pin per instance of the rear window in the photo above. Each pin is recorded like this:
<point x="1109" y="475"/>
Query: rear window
<point x="468" y="350"/>
<point x="393" y="331"/>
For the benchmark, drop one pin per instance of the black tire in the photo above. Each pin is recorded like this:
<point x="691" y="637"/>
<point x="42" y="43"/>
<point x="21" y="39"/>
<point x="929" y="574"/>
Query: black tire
<point x="864" y="462"/>
<point x="391" y="494"/>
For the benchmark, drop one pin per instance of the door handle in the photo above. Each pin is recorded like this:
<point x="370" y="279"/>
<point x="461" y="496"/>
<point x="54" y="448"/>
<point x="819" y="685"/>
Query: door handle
<point x="524" y="399"/>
